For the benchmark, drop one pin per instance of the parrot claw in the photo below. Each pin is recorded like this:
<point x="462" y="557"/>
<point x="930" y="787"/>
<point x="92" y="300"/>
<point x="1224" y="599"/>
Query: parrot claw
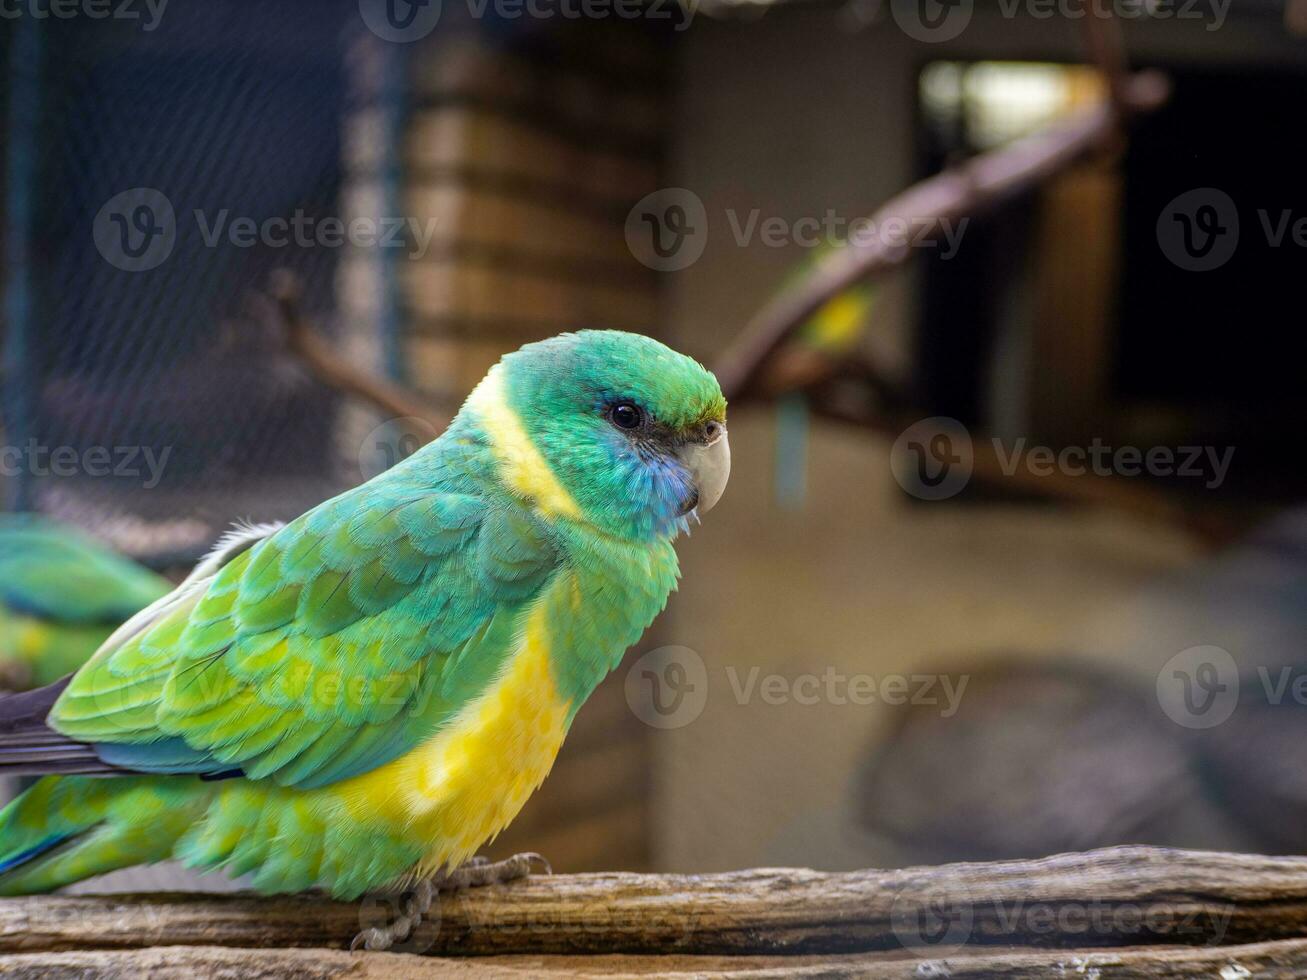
<point x="476" y="873"/>
<point x="479" y="872"/>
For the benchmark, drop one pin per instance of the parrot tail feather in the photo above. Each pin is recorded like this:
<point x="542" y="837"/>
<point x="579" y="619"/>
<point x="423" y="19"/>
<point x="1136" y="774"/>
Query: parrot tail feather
<point x="68" y="828"/>
<point x="36" y="850"/>
<point x="30" y="747"/>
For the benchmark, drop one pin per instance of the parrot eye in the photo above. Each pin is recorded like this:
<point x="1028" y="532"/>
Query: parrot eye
<point x="626" y="415"/>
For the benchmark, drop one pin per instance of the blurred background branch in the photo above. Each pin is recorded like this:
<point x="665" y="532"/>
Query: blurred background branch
<point x="281" y="309"/>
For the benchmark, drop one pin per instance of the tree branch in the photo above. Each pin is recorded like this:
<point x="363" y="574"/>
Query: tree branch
<point x="962" y="191"/>
<point x="1117" y="897"/>
<point x="1283" y="960"/>
<point x="330" y="367"/>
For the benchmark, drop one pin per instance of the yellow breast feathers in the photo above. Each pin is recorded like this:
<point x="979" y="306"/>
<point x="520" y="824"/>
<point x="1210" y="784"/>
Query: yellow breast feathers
<point x="465" y="784"/>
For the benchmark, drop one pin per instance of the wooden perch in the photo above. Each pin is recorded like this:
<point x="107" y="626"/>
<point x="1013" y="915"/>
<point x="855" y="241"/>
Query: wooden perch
<point x="1127" y="912"/>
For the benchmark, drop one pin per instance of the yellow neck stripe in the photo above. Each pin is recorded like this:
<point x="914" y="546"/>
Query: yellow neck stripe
<point x="521" y="466"/>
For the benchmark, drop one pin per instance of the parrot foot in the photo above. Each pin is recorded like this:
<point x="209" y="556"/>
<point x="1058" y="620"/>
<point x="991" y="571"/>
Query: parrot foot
<point x="481" y="871"/>
<point x="475" y="873"/>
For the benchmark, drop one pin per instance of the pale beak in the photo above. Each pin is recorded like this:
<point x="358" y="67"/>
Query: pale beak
<point x="709" y="464"/>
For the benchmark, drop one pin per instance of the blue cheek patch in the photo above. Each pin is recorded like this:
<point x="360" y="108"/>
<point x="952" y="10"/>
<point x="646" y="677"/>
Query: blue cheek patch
<point x="669" y="486"/>
<point x="658" y="487"/>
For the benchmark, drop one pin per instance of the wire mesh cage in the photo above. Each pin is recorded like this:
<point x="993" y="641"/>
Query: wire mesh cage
<point x="157" y="169"/>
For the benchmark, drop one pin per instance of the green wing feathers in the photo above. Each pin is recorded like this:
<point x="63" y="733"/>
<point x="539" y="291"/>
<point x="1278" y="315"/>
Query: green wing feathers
<point x="328" y="648"/>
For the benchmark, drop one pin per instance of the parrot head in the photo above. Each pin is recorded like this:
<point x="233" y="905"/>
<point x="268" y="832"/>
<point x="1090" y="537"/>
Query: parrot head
<point x="633" y="433"/>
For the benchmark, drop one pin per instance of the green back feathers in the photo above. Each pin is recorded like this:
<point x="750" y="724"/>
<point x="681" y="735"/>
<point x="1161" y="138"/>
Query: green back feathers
<point x="326" y="649"/>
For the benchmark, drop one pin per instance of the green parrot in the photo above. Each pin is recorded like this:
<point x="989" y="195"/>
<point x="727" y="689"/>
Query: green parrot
<point x="837" y="327"/>
<point x="359" y="699"/>
<point x="61" y="595"/>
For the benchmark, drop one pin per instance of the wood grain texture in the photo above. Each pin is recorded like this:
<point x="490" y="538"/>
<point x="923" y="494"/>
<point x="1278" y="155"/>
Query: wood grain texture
<point x="1130" y="896"/>
<point x="1266" y="961"/>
